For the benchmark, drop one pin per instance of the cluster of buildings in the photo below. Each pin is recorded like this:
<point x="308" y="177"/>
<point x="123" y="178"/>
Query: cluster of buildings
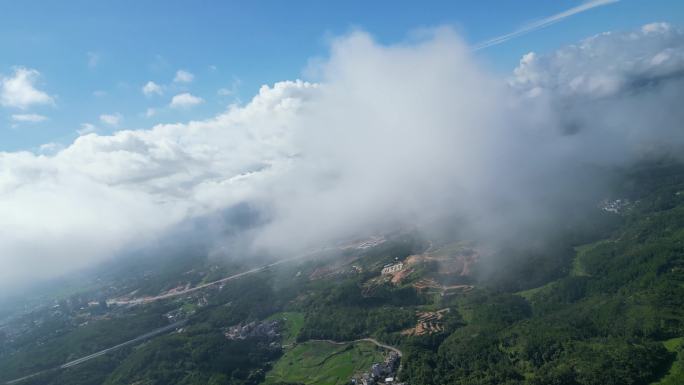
<point x="265" y="329"/>
<point x="371" y="242"/>
<point x="74" y="311"/>
<point x="365" y="244"/>
<point x="176" y="315"/>
<point x="381" y="372"/>
<point x="614" y="206"/>
<point x="392" y="268"/>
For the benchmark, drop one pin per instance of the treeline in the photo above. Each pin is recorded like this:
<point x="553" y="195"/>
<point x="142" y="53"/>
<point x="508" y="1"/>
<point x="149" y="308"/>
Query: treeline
<point x="345" y="310"/>
<point x="198" y="356"/>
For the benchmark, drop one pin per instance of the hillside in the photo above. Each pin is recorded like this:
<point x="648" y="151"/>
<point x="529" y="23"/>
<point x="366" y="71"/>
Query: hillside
<point x="597" y="301"/>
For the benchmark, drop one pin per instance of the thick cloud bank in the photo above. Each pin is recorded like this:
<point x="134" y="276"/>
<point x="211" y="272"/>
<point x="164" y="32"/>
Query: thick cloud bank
<point x="388" y="136"/>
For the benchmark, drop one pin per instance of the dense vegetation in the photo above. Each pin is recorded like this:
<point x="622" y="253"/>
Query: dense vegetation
<point x="41" y="349"/>
<point x="596" y="300"/>
<point x="603" y="323"/>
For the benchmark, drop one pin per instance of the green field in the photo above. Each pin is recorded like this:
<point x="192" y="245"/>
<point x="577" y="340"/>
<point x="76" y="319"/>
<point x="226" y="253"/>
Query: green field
<point x="323" y="363"/>
<point x="293" y="324"/>
<point x="577" y="270"/>
<point x="528" y="294"/>
<point x="675" y="375"/>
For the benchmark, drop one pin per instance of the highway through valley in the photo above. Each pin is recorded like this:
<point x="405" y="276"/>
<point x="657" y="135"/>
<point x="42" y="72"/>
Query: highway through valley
<point x="89" y="357"/>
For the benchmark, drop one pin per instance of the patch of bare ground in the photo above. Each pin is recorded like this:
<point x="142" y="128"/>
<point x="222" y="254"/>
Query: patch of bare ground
<point x="429" y="284"/>
<point x="400" y="276"/>
<point x="448" y="263"/>
<point x="428" y="323"/>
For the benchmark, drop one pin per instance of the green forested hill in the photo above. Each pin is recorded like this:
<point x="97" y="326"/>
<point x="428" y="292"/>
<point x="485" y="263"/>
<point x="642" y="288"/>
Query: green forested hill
<point x="599" y="300"/>
<point x="616" y="318"/>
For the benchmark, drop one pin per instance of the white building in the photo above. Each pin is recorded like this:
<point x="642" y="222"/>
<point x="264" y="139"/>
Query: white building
<point x="391" y="269"/>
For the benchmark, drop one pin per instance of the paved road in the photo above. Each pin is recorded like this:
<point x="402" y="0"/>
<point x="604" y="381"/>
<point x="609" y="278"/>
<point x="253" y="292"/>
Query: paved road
<point x="371" y="340"/>
<point x="136" y="339"/>
<point x="144" y="300"/>
<point x="102" y="352"/>
<point x="380" y="344"/>
<point x="153" y="333"/>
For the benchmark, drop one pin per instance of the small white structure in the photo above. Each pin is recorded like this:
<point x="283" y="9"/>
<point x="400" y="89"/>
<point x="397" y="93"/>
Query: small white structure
<point x="391" y="269"/>
<point x="389" y="380"/>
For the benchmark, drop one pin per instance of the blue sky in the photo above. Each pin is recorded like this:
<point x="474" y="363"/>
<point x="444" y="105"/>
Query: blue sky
<point x="93" y="58"/>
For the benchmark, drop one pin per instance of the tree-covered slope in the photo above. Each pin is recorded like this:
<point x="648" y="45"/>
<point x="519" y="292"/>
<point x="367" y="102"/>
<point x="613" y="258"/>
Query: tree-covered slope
<point x="614" y="319"/>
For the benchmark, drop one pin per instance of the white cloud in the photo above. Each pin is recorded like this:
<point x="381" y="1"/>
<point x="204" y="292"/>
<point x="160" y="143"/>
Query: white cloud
<point x="86" y="128"/>
<point x="50" y="148"/>
<point x="104" y="193"/>
<point x="657" y="28"/>
<point x="375" y="144"/>
<point x="185" y="100"/>
<point x="29" y="118"/>
<point x="19" y="90"/>
<point x="604" y="64"/>
<point x="230" y="91"/>
<point x="99" y="93"/>
<point x="150" y="112"/>
<point x="183" y="76"/>
<point x="151" y="88"/>
<point x="111" y="119"/>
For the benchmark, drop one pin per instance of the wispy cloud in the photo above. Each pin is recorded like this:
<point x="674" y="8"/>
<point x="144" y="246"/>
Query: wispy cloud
<point x="232" y="91"/>
<point x="86" y="128"/>
<point x="151" y="88"/>
<point x="29" y="118"/>
<point x="183" y="76"/>
<point x="543" y="23"/>
<point x="111" y="119"/>
<point x="93" y="59"/>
